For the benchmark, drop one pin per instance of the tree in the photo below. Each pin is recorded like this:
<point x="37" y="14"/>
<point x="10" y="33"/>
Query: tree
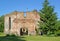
<point x="1" y="23"/>
<point x="48" y="19"/>
<point x="57" y="33"/>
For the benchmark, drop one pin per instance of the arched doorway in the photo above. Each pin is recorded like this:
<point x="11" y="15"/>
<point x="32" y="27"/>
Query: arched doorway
<point x="23" y="31"/>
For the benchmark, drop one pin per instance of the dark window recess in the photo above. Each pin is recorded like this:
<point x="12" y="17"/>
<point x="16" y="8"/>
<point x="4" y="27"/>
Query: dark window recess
<point x="9" y="22"/>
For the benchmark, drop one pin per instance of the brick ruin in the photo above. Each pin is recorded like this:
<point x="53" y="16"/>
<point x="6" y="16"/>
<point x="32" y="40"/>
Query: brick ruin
<point x="21" y="23"/>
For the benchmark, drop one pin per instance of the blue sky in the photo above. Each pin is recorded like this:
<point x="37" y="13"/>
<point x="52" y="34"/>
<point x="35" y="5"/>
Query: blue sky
<point x="7" y="6"/>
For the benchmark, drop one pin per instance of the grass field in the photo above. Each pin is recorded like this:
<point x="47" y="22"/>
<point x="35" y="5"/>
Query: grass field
<point x="28" y="38"/>
<point x="41" y="38"/>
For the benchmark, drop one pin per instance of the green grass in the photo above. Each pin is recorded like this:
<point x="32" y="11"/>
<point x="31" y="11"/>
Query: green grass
<point x="2" y="34"/>
<point x="41" y="38"/>
<point x="27" y="38"/>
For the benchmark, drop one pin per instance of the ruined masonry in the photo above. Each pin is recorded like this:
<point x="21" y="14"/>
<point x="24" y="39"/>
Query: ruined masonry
<point x="21" y="23"/>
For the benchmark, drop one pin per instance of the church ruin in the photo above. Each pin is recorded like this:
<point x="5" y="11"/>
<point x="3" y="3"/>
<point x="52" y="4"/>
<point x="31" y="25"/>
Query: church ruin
<point x="20" y="23"/>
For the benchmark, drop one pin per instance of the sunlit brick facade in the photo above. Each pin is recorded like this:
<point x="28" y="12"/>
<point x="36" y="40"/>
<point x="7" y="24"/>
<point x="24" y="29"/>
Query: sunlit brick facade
<point x="20" y="23"/>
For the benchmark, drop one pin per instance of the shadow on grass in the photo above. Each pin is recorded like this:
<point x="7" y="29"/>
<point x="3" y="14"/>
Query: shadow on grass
<point x="11" y="38"/>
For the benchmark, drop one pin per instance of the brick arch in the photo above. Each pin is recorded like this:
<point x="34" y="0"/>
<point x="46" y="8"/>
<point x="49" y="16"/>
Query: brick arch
<point x="23" y="31"/>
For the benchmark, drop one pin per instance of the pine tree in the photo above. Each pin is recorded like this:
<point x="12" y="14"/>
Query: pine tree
<point x="48" y="18"/>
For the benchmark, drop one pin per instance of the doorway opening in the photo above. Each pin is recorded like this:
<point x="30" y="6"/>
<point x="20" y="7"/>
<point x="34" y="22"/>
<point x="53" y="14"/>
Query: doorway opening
<point x="23" y="31"/>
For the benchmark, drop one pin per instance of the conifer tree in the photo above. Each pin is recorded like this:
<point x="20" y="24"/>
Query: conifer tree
<point x="48" y="18"/>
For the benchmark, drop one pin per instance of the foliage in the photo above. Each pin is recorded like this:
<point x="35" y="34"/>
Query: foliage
<point x="57" y="33"/>
<point x="1" y="23"/>
<point x="48" y="19"/>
